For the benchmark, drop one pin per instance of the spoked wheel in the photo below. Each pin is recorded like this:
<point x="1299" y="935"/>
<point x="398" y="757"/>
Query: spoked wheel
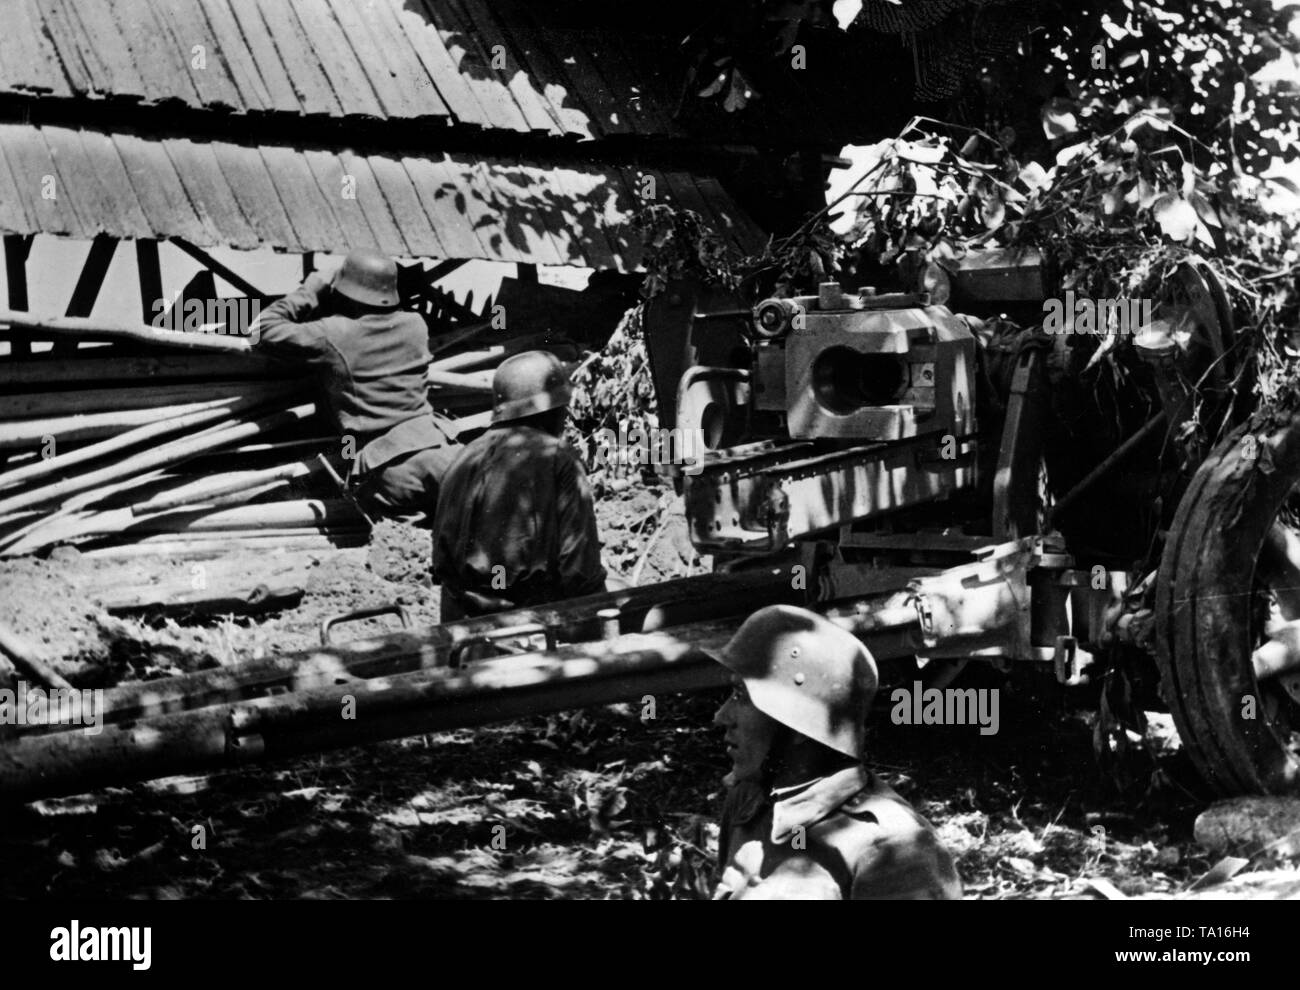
<point x="1228" y="611"/>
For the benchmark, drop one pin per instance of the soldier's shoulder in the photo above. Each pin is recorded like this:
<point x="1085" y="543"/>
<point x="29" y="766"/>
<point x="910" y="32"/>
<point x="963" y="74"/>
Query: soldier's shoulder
<point x="876" y="816"/>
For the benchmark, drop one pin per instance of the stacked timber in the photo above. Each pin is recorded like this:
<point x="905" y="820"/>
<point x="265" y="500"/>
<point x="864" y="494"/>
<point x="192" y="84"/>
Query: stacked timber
<point x="135" y="440"/>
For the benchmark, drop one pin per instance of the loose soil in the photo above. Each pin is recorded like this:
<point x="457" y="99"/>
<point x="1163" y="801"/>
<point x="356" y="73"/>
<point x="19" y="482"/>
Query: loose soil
<point x="601" y="803"/>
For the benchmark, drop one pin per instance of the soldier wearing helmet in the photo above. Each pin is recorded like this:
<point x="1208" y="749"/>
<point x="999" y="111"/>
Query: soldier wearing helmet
<point x="373" y="360"/>
<point x="516" y="525"/>
<point x="804" y="818"/>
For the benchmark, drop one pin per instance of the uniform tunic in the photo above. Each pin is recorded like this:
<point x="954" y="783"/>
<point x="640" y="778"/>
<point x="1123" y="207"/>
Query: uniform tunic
<point x="848" y="836"/>
<point x="515" y="524"/>
<point x="375" y="372"/>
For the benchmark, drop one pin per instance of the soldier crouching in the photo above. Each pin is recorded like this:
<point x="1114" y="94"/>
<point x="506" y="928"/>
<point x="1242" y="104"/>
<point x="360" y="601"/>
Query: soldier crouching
<point x="804" y="819"/>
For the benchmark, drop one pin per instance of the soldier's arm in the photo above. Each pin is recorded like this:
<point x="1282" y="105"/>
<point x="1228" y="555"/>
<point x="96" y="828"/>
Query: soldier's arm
<point x="581" y="572"/>
<point x="286" y="328"/>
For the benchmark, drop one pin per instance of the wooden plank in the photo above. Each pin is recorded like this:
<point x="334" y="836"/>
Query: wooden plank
<point x="16" y="213"/>
<point x="371" y="59"/>
<point x="312" y="218"/>
<point x="232" y="57"/>
<point x="583" y="217"/>
<point x="247" y="28"/>
<point x="626" y="200"/>
<point x="78" y="185"/>
<point x="47" y="371"/>
<point x="525" y="193"/>
<point x="452" y="89"/>
<point x="495" y="99"/>
<point x="337" y="59"/>
<point x="483" y="213"/>
<point x="203" y="258"/>
<point x="117" y="197"/>
<point x="438" y="188"/>
<point x="549" y="75"/>
<point x="256" y="194"/>
<point x="28" y="61"/>
<point x="420" y="235"/>
<point x="30" y="162"/>
<point x="159" y="190"/>
<point x="91" y="279"/>
<point x="210" y="193"/>
<point x="589" y="89"/>
<point x="684" y="195"/>
<point x="96" y="22"/>
<point x="71" y="401"/>
<point x="186" y="26"/>
<point x="151" y="291"/>
<point x="421" y="95"/>
<point x="749" y="237"/>
<point x="329" y="172"/>
<point x="300" y="62"/>
<point x="616" y="65"/>
<point x="166" y="77"/>
<point x="17" y="247"/>
<point x="492" y="42"/>
<point x="84" y="69"/>
<point x="374" y="206"/>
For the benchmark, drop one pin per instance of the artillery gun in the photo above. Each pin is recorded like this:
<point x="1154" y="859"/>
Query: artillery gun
<point x="942" y="488"/>
<point x="889" y="440"/>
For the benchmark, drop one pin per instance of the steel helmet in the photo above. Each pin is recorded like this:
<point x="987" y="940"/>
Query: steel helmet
<point x="529" y="383"/>
<point x="367" y="277"/>
<point x="806" y="673"/>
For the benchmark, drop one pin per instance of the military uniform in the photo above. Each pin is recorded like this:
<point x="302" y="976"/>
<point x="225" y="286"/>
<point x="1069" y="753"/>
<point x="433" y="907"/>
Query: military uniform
<point x="375" y="372"/>
<point x="847" y="836"/>
<point x="516" y="525"/>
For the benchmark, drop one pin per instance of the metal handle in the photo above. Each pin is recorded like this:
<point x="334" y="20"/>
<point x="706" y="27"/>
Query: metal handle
<point x="362" y="613"/>
<point x="528" y="629"/>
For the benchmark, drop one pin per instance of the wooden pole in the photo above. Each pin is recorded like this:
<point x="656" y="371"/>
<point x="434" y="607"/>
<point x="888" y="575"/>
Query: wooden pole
<point x="169" y="453"/>
<point x="78" y="328"/>
<point x="222" y="485"/>
<point x="22" y="433"/>
<point x="89" y="282"/>
<point x="27" y="658"/>
<point x="583" y="675"/>
<point x="470" y="360"/>
<point x="75" y="401"/>
<point x="215" y="546"/>
<point x="214" y="411"/>
<point x="694" y="599"/>
<point x="64" y="372"/>
<point x="478" y="382"/>
<point x="212" y="264"/>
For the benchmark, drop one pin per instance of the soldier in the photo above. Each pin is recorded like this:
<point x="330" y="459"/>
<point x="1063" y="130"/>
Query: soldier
<point x="804" y="818"/>
<point x="516" y="525"/>
<point x="374" y="361"/>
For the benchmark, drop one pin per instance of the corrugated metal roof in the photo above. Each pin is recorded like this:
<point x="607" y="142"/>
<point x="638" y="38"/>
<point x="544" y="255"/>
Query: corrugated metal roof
<point x="459" y="205"/>
<point x="482" y="63"/>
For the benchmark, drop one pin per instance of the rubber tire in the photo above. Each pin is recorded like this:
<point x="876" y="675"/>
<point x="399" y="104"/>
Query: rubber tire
<point x="1204" y="634"/>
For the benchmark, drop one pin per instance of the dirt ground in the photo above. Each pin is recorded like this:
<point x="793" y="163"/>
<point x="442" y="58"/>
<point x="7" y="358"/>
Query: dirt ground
<point x="589" y="804"/>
